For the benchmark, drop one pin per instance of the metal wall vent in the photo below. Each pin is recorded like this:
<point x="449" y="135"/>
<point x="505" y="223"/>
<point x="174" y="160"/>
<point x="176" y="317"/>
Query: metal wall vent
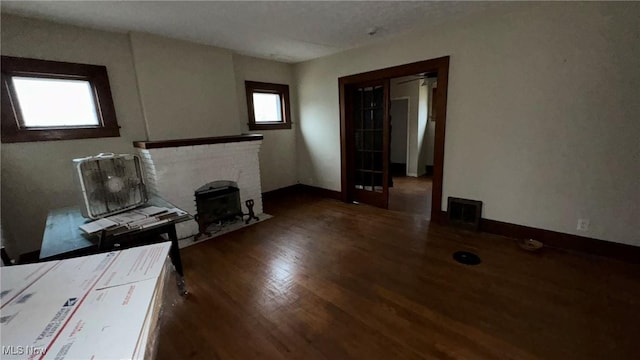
<point x="464" y="213"/>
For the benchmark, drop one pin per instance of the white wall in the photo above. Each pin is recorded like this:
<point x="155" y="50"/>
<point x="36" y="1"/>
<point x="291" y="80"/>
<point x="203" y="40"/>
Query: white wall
<point x="278" y="152"/>
<point x="37" y="176"/>
<point x="399" y="89"/>
<point x="431" y="125"/>
<point x="423" y="117"/>
<point x="187" y="90"/>
<point x="542" y="120"/>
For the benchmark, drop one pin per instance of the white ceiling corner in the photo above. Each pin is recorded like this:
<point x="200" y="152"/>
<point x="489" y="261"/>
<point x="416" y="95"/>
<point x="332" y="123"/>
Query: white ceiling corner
<point x="289" y="31"/>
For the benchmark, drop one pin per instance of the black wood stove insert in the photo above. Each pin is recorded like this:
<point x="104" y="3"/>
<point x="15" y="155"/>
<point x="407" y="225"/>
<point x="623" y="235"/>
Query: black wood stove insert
<point x="218" y="202"/>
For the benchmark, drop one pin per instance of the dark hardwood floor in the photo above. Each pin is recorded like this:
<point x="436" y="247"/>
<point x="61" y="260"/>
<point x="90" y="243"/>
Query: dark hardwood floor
<point x="411" y="195"/>
<point x="330" y="280"/>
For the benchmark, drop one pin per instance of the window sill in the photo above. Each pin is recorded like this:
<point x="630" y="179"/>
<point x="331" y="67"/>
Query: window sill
<point x="269" y="126"/>
<point x="57" y="134"/>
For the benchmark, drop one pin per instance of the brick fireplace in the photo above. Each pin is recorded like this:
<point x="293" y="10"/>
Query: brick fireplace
<point x="175" y="169"/>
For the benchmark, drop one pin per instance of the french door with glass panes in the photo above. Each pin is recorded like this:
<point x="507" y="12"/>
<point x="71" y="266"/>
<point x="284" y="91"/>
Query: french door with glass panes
<point x="368" y="131"/>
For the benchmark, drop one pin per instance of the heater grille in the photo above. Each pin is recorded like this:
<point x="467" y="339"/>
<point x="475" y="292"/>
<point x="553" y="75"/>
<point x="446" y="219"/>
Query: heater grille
<point x="465" y="213"/>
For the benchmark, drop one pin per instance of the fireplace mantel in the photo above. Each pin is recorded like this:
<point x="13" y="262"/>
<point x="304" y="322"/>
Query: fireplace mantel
<point x="196" y="141"/>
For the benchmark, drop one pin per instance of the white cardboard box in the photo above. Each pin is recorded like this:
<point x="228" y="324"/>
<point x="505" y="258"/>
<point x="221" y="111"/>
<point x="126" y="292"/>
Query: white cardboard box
<point x="92" y="307"/>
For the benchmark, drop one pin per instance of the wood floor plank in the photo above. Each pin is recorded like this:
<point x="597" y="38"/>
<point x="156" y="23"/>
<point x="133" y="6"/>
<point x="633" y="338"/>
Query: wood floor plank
<point x="330" y="280"/>
<point x="411" y="194"/>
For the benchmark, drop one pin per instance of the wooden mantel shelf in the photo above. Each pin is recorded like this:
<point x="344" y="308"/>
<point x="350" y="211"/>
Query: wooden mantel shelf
<point x="196" y="141"/>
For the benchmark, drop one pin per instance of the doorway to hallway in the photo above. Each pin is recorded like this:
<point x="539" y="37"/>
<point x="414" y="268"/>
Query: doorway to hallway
<point x="352" y="134"/>
<point x="412" y="124"/>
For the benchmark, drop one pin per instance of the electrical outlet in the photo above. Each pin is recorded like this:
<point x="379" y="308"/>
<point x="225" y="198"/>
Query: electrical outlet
<point x="583" y="225"/>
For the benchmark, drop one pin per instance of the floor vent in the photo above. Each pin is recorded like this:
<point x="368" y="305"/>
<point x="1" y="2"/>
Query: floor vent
<point x="464" y="213"/>
<point x="467" y="258"/>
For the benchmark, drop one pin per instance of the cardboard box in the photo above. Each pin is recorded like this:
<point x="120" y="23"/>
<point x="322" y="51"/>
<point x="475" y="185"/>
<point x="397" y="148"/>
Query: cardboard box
<point x="91" y="307"/>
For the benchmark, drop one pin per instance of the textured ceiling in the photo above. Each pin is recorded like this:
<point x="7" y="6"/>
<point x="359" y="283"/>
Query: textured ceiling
<point x="290" y="31"/>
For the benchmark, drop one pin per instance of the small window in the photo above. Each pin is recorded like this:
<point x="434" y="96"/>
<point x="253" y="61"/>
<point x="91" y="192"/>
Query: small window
<point x="268" y="106"/>
<point x="51" y="100"/>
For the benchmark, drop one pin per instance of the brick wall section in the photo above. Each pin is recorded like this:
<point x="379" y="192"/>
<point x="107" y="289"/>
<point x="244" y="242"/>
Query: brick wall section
<point x="175" y="173"/>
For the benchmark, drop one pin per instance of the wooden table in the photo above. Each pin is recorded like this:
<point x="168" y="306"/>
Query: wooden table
<point x="63" y="238"/>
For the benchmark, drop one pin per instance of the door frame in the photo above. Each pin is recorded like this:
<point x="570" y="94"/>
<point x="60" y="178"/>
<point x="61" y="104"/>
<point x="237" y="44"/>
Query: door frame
<point x="439" y="65"/>
<point x="408" y="121"/>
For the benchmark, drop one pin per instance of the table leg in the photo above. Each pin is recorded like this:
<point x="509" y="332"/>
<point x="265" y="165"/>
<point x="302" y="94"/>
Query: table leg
<point x="174" y="254"/>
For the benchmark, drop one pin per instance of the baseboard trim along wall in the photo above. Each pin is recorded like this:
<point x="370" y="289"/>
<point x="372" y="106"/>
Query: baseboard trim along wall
<point x="555" y="239"/>
<point x="331" y="194"/>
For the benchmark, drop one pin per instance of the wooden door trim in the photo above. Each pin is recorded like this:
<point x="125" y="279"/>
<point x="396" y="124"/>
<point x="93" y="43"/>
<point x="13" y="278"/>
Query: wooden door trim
<point x="439" y="65"/>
